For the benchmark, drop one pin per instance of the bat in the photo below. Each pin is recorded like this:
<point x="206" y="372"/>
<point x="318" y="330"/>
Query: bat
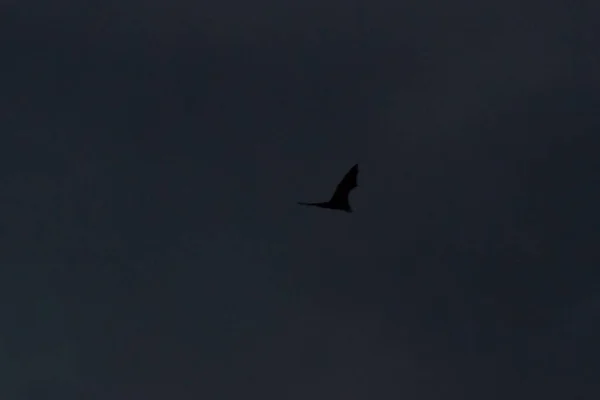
<point x="339" y="200"/>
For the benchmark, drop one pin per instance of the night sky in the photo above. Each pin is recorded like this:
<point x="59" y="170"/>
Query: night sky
<point x="152" y="154"/>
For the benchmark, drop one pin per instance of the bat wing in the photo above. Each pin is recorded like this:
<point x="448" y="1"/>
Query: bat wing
<point x="346" y="185"/>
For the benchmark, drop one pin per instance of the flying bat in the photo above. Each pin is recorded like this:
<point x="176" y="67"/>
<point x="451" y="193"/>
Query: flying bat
<point x="339" y="200"/>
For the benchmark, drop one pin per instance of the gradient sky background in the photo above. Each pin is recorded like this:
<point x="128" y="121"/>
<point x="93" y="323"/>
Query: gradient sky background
<point x="152" y="153"/>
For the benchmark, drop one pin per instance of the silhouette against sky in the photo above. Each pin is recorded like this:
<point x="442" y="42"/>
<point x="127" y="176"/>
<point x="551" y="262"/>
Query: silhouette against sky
<point x="340" y="198"/>
<point x="153" y="154"/>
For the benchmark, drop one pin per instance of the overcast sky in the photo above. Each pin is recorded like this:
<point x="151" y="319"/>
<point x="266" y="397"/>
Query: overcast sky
<point x="152" y="154"/>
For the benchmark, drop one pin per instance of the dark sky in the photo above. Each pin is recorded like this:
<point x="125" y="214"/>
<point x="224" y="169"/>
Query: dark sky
<point x="152" y="153"/>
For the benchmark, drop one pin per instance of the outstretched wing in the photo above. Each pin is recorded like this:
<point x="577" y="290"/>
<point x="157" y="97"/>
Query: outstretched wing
<point x="346" y="185"/>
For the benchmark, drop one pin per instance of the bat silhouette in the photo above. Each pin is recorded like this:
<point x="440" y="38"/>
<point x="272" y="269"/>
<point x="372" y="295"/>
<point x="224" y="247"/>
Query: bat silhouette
<point x="339" y="200"/>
